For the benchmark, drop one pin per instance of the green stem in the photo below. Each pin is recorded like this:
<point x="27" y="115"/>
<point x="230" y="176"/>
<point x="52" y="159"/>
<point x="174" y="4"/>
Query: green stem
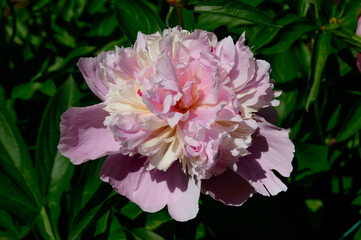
<point x="180" y="17"/>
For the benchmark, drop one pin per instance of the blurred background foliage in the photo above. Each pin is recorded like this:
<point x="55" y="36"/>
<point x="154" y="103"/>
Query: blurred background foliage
<point x="312" y="48"/>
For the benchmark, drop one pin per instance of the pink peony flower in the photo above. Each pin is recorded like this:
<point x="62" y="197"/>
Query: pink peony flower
<point x="181" y="114"/>
<point x="358" y="32"/>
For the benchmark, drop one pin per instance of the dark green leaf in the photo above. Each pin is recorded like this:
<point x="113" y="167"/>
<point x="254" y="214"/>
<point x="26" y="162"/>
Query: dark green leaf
<point x="105" y="27"/>
<point x="142" y="234"/>
<point x="266" y="34"/>
<point x="131" y="210"/>
<point x="48" y="88"/>
<point x="284" y="67"/>
<point x="321" y="50"/>
<point x="334" y="119"/>
<point x="24" y="91"/>
<point x="49" y="133"/>
<point x="87" y="183"/>
<point x="352" y="123"/>
<point x="350" y="37"/>
<point x="155" y="220"/>
<point x="54" y="170"/>
<point x="96" y="207"/>
<point x="16" y="201"/>
<point x="287" y="37"/>
<point x="42" y="227"/>
<point x="20" y="193"/>
<point x="135" y="16"/>
<point x="235" y="9"/>
<point x="311" y="159"/>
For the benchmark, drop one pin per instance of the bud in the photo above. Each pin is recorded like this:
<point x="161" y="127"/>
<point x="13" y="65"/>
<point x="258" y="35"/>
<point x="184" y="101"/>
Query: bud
<point x="178" y="3"/>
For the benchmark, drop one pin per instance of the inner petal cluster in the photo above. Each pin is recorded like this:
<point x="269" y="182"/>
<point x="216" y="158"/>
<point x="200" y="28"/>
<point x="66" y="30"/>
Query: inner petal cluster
<point x="186" y="97"/>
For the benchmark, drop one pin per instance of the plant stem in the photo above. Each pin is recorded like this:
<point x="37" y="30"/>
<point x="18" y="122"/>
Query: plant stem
<point x="180" y="17"/>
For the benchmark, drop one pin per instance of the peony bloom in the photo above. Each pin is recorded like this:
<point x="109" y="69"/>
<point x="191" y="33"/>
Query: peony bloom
<point x="358" y="32"/>
<point x="181" y="113"/>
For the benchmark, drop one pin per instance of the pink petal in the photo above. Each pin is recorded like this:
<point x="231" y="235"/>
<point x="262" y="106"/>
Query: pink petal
<point x="271" y="149"/>
<point x="244" y="67"/>
<point x="358" y="61"/>
<point x="226" y="51"/>
<point x="154" y="189"/>
<point x="90" y="68"/>
<point x="229" y="188"/>
<point x="358" y="29"/>
<point x="84" y="136"/>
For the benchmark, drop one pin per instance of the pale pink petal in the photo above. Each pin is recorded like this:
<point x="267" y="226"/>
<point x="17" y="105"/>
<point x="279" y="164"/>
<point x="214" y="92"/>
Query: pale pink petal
<point x="244" y="67"/>
<point x="90" y="68"/>
<point x="226" y="51"/>
<point x="84" y="136"/>
<point x="271" y="149"/>
<point x="166" y="71"/>
<point x="358" y="29"/>
<point x="229" y="188"/>
<point x="154" y="189"/>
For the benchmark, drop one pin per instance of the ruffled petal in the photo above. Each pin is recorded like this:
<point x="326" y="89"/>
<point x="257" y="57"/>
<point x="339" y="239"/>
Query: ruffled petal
<point x="90" y="68"/>
<point x="229" y="188"/>
<point x="271" y="149"/>
<point x="154" y="189"/>
<point x="84" y="136"/>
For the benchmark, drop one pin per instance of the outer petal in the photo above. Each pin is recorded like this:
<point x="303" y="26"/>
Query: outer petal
<point x="84" y="136"/>
<point x="154" y="189"/>
<point x="90" y="68"/>
<point x="271" y="149"/>
<point x="229" y="188"/>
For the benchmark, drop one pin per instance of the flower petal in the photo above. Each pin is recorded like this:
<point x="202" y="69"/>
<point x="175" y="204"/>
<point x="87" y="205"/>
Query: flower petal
<point x="154" y="189"/>
<point x="90" y="68"/>
<point x="229" y="188"/>
<point x="271" y="149"/>
<point x="84" y="136"/>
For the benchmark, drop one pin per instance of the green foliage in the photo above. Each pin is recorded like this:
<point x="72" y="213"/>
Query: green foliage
<point x="311" y="46"/>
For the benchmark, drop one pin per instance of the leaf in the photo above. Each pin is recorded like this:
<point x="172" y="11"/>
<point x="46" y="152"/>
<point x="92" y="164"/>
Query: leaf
<point x="42" y="226"/>
<point x="142" y="234"/>
<point x="104" y="27"/>
<point x="48" y="88"/>
<point x="235" y="9"/>
<point x="201" y="232"/>
<point x="284" y="67"/>
<point x="16" y="201"/>
<point x="311" y="159"/>
<point x="349" y="37"/>
<point x="54" y="170"/>
<point x="131" y="210"/>
<point x="287" y="37"/>
<point x="332" y="123"/>
<point x="49" y="133"/>
<point x="155" y="220"/>
<point x="321" y="50"/>
<point x="24" y="91"/>
<point x="19" y="192"/>
<point x="103" y="199"/>
<point x="352" y="124"/>
<point x="266" y="34"/>
<point x="86" y="183"/>
<point x="135" y="16"/>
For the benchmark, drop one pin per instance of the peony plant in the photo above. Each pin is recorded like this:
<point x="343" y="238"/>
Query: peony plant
<point x="181" y="113"/>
